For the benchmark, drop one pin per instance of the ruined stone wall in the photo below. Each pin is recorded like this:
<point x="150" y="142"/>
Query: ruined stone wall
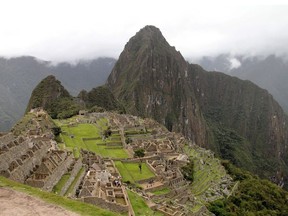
<point x="73" y="174"/>
<point x="137" y="160"/>
<point x="106" y="205"/>
<point x="168" y="195"/>
<point x="146" y="180"/>
<point x="73" y="191"/>
<point x="177" y="182"/>
<point x="22" y="172"/>
<point x="6" y="138"/>
<point x="53" y="179"/>
<point x="12" y="153"/>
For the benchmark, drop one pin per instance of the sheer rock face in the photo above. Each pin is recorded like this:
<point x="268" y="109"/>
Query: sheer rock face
<point x="150" y="78"/>
<point x="251" y="112"/>
<point x="153" y="79"/>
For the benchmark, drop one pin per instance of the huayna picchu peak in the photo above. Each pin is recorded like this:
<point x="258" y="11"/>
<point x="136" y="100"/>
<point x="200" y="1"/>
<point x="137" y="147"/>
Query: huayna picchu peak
<point x="161" y="137"/>
<point x="54" y="98"/>
<point x="235" y="118"/>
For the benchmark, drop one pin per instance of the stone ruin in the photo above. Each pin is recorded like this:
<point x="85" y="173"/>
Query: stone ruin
<point x="102" y="184"/>
<point x="50" y="171"/>
<point x="163" y="157"/>
<point x="34" y="159"/>
<point x="19" y="156"/>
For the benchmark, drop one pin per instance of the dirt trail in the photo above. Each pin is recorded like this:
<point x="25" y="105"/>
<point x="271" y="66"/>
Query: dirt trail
<point x="14" y="203"/>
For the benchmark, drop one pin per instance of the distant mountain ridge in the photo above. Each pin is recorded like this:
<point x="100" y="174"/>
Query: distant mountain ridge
<point x="269" y="72"/>
<point x="19" y="76"/>
<point x="235" y="118"/>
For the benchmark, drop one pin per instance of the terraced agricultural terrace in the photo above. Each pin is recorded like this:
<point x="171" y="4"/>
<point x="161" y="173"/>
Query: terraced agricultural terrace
<point x="96" y="163"/>
<point x="90" y="137"/>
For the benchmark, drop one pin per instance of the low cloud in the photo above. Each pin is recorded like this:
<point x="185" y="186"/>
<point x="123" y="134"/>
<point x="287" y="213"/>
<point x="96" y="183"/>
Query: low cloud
<point x="234" y="63"/>
<point x="71" y="30"/>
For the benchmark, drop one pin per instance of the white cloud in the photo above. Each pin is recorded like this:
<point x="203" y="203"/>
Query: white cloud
<point x="69" y="30"/>
<point x="234" y="63"/>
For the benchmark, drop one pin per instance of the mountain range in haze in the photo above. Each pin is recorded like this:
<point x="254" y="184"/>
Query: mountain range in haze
<point x="18" y="77"/>
<point x="270" y="72"/>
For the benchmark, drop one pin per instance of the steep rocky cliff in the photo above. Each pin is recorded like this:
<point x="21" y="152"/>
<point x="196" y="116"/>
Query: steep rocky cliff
<point x="248" y="125"/>
<point x="237" y="119"/>
<point x="150" y="78"/>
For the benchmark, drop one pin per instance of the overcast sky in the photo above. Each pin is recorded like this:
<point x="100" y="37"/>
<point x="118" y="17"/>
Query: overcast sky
<point x="64" y="30"/>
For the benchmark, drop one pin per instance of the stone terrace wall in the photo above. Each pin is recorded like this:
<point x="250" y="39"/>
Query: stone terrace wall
<point x="6" y="138"/>
<point x="12" y="154"/>
<point x="22" y="172"/>
<point x="105" y="204"/>
<point x="22" y="158"/>
<point x="53" y="179"/>
<point x="73" y="191"/>
<point x="73" y="174"/>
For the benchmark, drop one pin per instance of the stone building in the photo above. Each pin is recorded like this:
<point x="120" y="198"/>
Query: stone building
<point x="20" y="156"/>
<point x="50" y="171"/>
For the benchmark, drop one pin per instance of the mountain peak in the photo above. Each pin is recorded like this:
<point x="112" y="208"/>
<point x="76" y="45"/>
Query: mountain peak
<point x="54" y="98"/>
<point x="148" y="37"/>
<point x="150" y="31"/>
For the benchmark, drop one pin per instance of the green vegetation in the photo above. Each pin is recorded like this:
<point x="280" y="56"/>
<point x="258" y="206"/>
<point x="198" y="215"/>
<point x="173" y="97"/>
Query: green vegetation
<point x="104" y="151"/>
<point x="161" y="191"/>
<point x="22" y="125"/>
<point x="107" y="132"/>
<point x="69" y="190"/>
<point x="188" y="171"/>
<point x="131" y="172"/>
<point x="88" y="136"/>
<point x="206" y="175"/>
<point x="139" y="153"/>
<point x="58" y="187"/>
<point x="56" y="130"/>
<point x="170" y="120"/>
<point x="54" y="98"/>
<point x="101" y="97"/>
<point x="28" y="122"/>
<point x="233" y="147"/>
<point x="139" y="205"/>
<point x="253" y="196"/>
<point x="69" y="204"/>
<point x="73" y="136"/>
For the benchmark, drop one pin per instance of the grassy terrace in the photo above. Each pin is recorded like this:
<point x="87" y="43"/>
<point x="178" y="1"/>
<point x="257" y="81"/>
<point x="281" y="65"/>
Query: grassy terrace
<point x="74" y="139"/>
<point x="113" y="151"/>
<point x="69" y="190"/>
<point x="139" y="205"/>
<point x="161" y="191"/>
<point x="130" y="171"/>
<point x="211" y="173"/>
<point x="78" y="132"/>
<point x="58" y="187"/>
<point x="72" y="205"/>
